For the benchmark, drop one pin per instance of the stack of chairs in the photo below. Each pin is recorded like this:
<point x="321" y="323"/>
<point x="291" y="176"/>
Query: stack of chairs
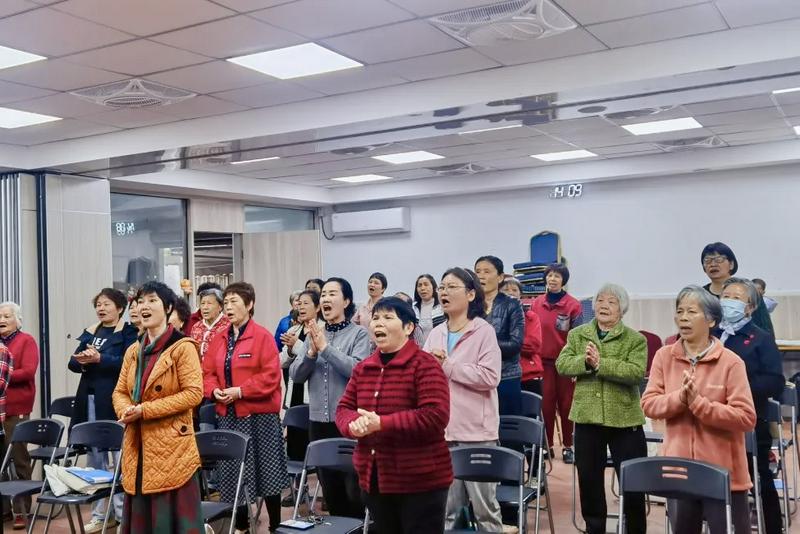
<point x="545" y="249"/>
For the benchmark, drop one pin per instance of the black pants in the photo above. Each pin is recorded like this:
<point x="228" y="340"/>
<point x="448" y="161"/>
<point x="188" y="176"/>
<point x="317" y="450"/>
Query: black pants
<point x="773" y="520"/>
<point x="686" y="517"/>
<point x="534" y="386"/>
<point x="341" y="490"/>
<point x="591" y="442"/>
<point x="273" y="505"/>
<point x="410" y="513"/>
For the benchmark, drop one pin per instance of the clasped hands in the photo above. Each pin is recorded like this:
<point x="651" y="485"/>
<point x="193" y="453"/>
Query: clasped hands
<point x="689" y="391"/>
<point x="227" y="395"/>
<point x="132" y="413"/>
<point x="367" y="424"/>
<point x="317" y="342"/>
<point x="592" y="357"/>
<point x="88" y="355"/>
<point x="439" y="354"/>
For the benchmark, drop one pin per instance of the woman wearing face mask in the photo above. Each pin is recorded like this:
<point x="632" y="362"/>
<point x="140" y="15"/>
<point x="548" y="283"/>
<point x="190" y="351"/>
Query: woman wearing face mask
<point x="559" y="313"/>
<point x="764" y="367"/>
<point x="402" y="459"/>
<point x="608" y="361"/>
<point x="328" y="357"/>
<point x="159" y="385"/>
<point x="212" y="321"/>
<point x="242" y="375"/>
<point x="466" y="346"/>
<point x="700" y="389"/>
<point x="426" y="305"/>
<point x="376" y="287"/>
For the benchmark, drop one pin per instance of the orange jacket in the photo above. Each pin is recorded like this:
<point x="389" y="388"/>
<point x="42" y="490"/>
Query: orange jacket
<point x="165" y="432"/>
<point x="712" y="428"/>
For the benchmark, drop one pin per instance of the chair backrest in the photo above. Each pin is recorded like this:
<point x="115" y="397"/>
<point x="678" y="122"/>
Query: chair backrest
<point x="102" y="435"/>
<point x="675" y="478"/>
<point x="531" y="405"/>
<point x="750" y="443"/>
<point x="545" y="247"/>
<point x="42" y="432"/>
<point x="208" y="414"/>
<point x="63" y="406"/>
<point x="653" y="344"/>
<point x="332" y="453"/>
<point x="789" y="397"/>
<point x="774" y="411"/>
<point x="297" y="417"/>
<point x="517" y="432"/>
<point x="488" y="464"/>
<point x="218" y="445"/>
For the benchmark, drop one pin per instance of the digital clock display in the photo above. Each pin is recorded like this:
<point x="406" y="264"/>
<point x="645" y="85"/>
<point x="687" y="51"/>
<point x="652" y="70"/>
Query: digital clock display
<point x="566" y="191"/>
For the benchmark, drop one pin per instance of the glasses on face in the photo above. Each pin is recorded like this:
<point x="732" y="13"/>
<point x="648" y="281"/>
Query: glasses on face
<point x="714" y="260"/>
<point x="449" y="289"/>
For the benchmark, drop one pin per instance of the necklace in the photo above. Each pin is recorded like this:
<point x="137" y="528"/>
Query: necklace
<point x="462" y="327"/>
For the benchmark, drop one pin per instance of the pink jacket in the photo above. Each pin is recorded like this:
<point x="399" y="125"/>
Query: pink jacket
<point x="473" y="370"/>
<point x="712" y="428"/>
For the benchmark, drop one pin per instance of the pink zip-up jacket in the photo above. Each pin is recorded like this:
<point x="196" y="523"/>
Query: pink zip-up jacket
<point x="473" y="370"/>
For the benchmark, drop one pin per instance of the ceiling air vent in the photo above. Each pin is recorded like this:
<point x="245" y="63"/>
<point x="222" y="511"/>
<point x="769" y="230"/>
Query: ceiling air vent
<point x="356" y="150"/>
<point x="133" y="94"/>
<point x="690" y="144"/>
<point x="636" y="113"/>
<point x="501" y="22"/>
<point x="459" y="169"/>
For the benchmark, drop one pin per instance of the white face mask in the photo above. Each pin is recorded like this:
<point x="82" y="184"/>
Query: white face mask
<point x="733" y="310"/>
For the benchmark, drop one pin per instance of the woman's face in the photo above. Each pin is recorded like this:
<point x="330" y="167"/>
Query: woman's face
<point x="175" y="321"/>
<point x="717" y="267"/>
<point x="8" y="321"/>
<point x="512" y="291"/>
<point x="375" y="288"/>
<point x="210" y="308"/>
<point x="333" y="303"/>
<point x="425" y="289"/>
<point x="134" y="314"/>
<point x="107" y="312"/>
<point x="236" y="310"/>
<point x="554" y="282"/>
<point x="152" y="312"/>
<point x="488" y="276"/>
<point x="691" y="320"/>
<point x="739" y="292"/>
<point x="306" y="309"/>
<point x="388" y="330"/>
<point x="607" y="309"/>
<point x="314" y="286"/>
<point x="453" y="296"/>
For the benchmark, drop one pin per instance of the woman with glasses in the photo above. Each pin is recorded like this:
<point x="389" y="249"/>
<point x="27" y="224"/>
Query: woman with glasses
<point x="466" y="346"/>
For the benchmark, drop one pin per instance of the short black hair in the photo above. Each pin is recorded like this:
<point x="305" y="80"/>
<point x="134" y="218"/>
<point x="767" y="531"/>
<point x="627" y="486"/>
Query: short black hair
<point x="245" y="290"/>
<point x="494" y="260"/>
<point x="182" y="309"/>
<point x="380" y="277"/>
<point x="723" y="250"/>
<point x="399" y="307"/>
<point x="114" y="295"/>
<point x="418" y="299"/>
<point x="477" y="308"/>
<point x="208" y="285"/>
<point x="317" y="281"/>
<point x="347" y="293"/>
<point x="163" y="291"/>
<point x="559" y="268"/>
<point x="760" y="282"/>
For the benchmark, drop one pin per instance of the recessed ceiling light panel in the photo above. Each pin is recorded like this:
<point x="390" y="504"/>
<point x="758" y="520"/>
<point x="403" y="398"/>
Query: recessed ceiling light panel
<point x="408" y="157"/>
<point x="14" y="118"/>
<point x="470" y="132"/>
<point x="296" y="61"/>
<point x="789" y="90"/>
<point x="569" y="154"/>
<point x="671" y="125"/>
<point x="362" y="178"/>
<point x="797" y="130"/>
<point x="245" y="161"/>
<point x="10" y="57"/>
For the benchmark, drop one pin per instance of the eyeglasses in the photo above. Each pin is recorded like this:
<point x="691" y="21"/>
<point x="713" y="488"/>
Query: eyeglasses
<point x="714" y="260"/>
<point x="449" y="289"/>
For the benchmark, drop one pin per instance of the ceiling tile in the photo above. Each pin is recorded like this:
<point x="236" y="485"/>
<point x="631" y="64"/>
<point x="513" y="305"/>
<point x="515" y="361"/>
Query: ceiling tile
<point x="10" y="7"/>
<point x="522" y="132"/>
<point x="211" y="77"/>
<point x="270" y="94"/>
<point x="131" y="118"/>
<point x="692" y="20"/>
<point x="729" y="104"/>
<point x="424" y="8"/>
<point x="746" y="12"/>
<point x="60" y="105"/>
<point x="137" y="58"/>
<point x="322" y="18"/>
<point x="43" y="32"/>
<point x="12" y="92"/>
<point x="571" y="43"/>
<point x="739" y="127"/>
<point x="59" y="75"/>
<point x="786" y="99"/>
<point x="244" y="6"/>
<point x="625" y="149"/>
<point x="760" y="136"/>
<point x="397" y="41"/>
<point x="350" y="80"/>
<point x="53" y="131"/>
<point x="440" y="65"/>
<point x="740" y="117"/>
<point x="145" y="17"/>
<point x="605" y="10"/>
<point x="231" y="37"/>
<point x="201" y="106"/>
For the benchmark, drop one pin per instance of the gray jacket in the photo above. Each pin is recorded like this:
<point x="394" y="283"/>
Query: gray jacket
<point x="329" y="372"/>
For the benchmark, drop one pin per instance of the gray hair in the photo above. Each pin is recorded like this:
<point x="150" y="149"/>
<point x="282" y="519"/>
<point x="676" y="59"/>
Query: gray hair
<point x="14" y="309"/>
<point x="615" y="291"/>
<point x="294" y="295"/>
<point x="708" y="302"/>
<point x="750" y="287"/>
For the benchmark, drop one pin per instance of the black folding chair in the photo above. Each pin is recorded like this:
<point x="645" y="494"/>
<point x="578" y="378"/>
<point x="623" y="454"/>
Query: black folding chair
<point x="297" y="417"/>
<point x="491" y="464"/>
<point x="208" y="416"/>
<point x="219" y="446"/>
<point x="751" y="447"/>
<point x="674" y="478"/>
<point x="42" y="432"/>
<point x="532" y="407"/>
<point x="335" y="454"/>
<point x="522" y="434"/>
<point x="774" y="415"/>
<point x="63" y="407"/>
<point x="105" y="436"/>
<point x="789" y="399"/>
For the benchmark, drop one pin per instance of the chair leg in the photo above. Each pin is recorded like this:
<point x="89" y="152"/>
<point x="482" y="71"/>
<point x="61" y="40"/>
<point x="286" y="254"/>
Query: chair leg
<point x="69" y="518"/>
<point x="29" y="530"/>
<point x="80" y="519"/>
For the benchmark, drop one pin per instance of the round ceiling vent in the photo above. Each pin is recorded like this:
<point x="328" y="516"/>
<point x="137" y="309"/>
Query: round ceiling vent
<point x="133" y="94"/>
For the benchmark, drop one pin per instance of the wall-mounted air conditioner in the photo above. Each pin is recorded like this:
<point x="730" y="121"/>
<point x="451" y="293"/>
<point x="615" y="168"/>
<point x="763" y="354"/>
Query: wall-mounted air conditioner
<point x="385" y="221"/>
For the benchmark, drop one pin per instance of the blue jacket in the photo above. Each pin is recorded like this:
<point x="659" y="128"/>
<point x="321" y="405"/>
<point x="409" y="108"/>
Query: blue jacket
<point x="283" y="326"/>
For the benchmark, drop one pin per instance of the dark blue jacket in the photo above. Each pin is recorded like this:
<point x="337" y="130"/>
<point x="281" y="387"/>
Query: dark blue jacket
<point x="508" y="320"/>
<point x="101" y="377"/>
<point x="283" y="326"/>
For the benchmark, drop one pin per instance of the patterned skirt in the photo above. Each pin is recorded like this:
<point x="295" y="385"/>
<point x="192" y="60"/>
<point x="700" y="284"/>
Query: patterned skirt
<point x="265" y="469"/>
<point x="170" y="512"/>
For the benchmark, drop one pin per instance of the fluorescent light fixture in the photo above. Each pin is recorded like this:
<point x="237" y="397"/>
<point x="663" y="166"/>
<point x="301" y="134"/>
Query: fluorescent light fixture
<point x="569" y="154"/>
<point x="671" y="125"/>
<point x="10" y="57"/>
<point x="14" y="118"/>
<point x="490" y="129"/>
<point x="244" y="161"/>
<point x="789" y="90"/>
<point x="361" y="178"/>
<point x="408" y="157"/>
<point x="797" y="130"/>
<point x="296" y="61"/>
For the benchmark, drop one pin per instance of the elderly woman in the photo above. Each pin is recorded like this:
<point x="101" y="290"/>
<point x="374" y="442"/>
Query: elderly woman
<point x="700" y="389"/>
<point x="20" y="394"/>
<point x="399" y="427"/>
<point x="328" y="357"/>
<point x="376" y="287"/>
<point x="607" y="360"/>
<point x="242" y="374"/>
<point x="213" y="322"/>
<point x="287" y="322"/>
<point x="764" y="366"/>
<point x="426" y="305"/>
<point x="159" y="385"/>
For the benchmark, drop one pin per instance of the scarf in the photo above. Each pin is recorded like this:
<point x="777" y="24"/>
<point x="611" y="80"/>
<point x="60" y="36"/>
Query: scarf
<point x="155" y="346"/>
<point x="6" y="340"/>
<point x="338" y="326"/>
<point x="730" y="329"/>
